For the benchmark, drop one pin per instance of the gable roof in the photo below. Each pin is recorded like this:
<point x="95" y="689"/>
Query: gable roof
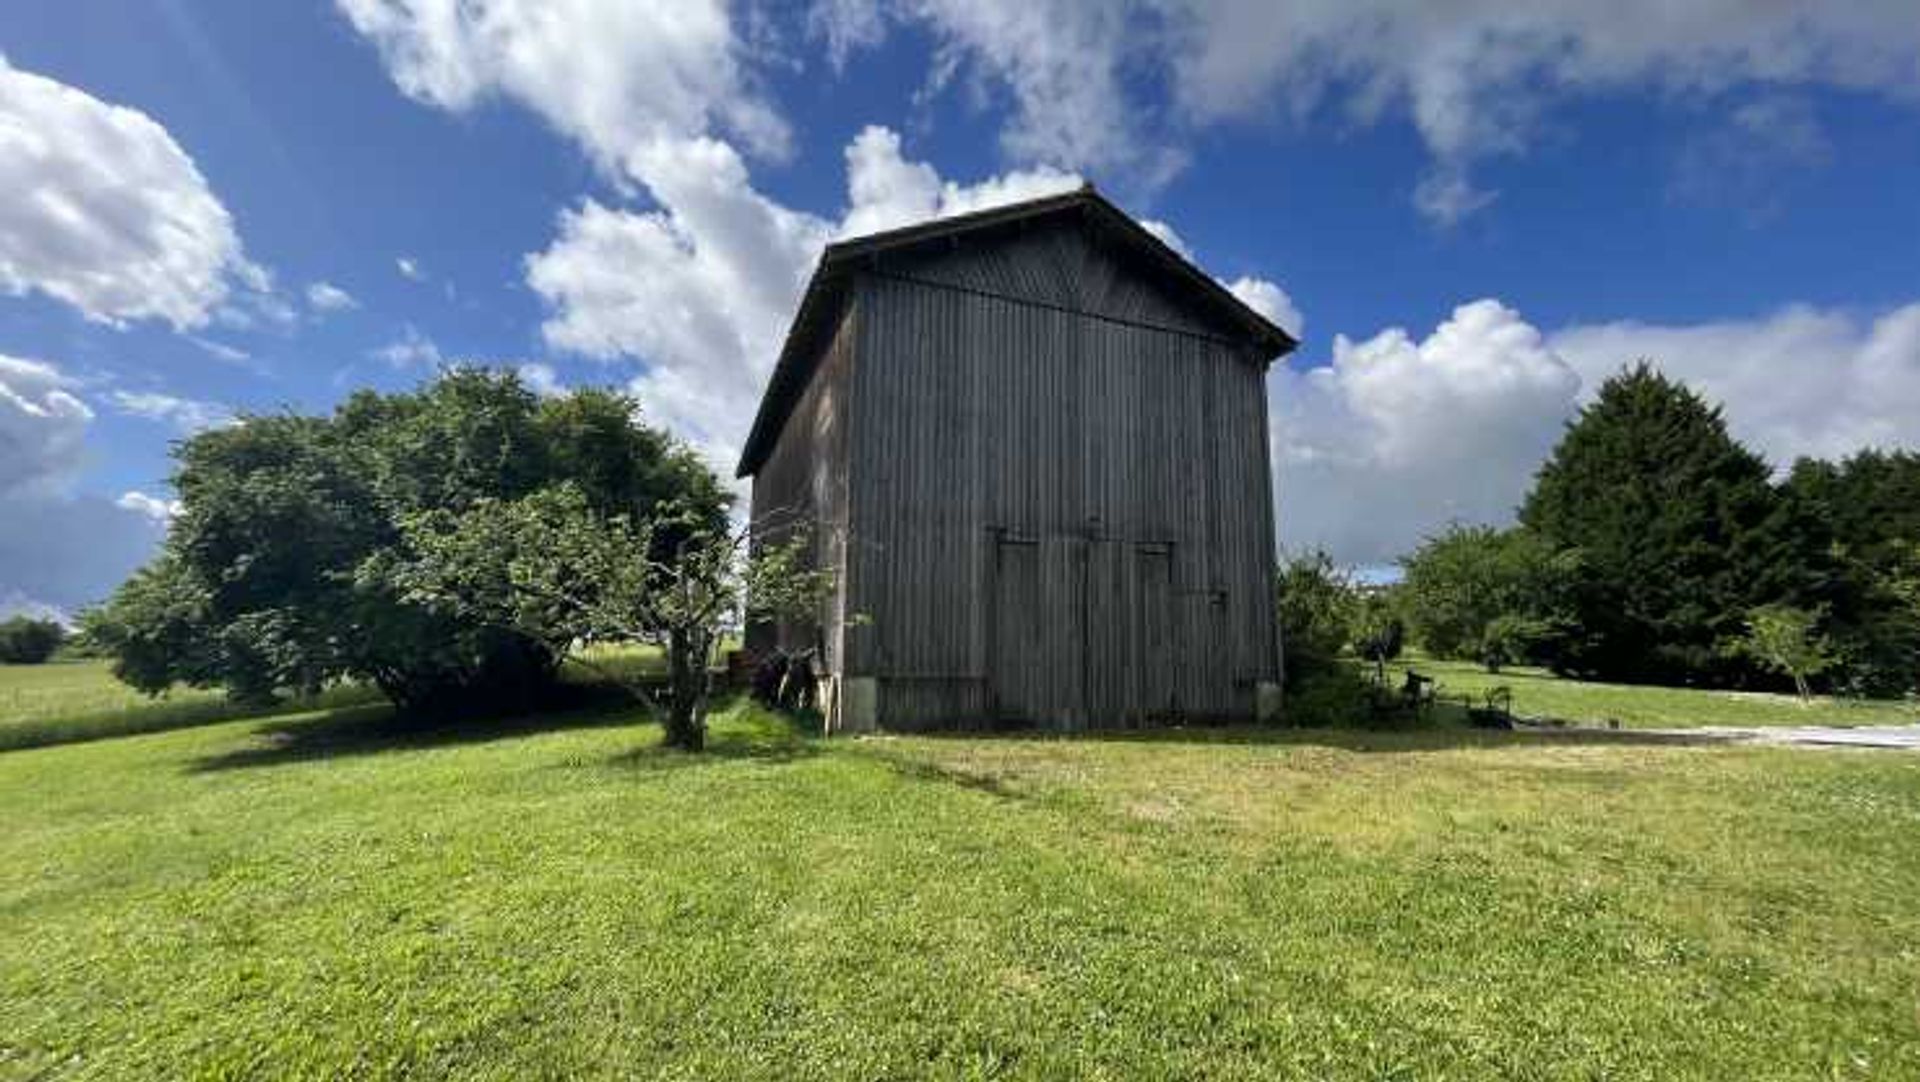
<point x="828" y="291"/>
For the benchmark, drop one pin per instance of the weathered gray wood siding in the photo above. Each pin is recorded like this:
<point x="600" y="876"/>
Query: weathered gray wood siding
<point x="1056" y="516"/>
<point x="803" y="486"/>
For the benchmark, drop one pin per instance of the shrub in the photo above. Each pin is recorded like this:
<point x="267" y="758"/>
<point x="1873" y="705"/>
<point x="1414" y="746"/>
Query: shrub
<point x="1317" y="606"/>
<point x="27" y="641"/>
<point x="1336" y="697"/>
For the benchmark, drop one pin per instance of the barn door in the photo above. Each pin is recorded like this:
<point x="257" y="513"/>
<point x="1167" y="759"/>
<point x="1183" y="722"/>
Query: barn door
<point x="1039" y="650"/>
<point x="1017" y="639"/>
<point x="1153" y="641"/>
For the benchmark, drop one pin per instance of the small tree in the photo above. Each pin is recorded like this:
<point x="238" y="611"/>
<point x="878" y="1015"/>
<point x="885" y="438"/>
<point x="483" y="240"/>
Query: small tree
<point x="1316" y="609"/>
<point x="1379" y="634"/>
<point x="1511" y="639"/>
<point x="28" y="641"/>
<point x="1783" y="639"/>
<point x="550" y="567"/>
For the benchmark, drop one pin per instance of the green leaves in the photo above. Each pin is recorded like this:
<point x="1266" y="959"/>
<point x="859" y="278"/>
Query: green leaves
<point x="287" y="567"/>
<point x="1785" y="639"/>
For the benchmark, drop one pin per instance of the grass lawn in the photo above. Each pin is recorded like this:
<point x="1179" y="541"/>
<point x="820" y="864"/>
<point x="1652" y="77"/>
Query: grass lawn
<point x="319" y="896"/>
<point x="1539" y="693"/>
<point x="67" y="701"/>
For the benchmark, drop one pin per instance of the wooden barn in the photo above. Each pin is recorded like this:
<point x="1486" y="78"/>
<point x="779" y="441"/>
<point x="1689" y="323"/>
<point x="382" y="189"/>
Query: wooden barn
<point x="1032" y="441"/>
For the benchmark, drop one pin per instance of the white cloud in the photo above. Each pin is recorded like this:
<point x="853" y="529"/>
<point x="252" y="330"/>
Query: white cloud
<point x="542" y="380"/>
<point x="885" y="190"/>
<point x="187" y="415"/>
<point x="43" y="426"/>
<point x="409" y="268"/>
<point x="1802" y="381"/>
<point x="702" y="290"/>
<point x="230" y="354"/>
<point x="105" y="212"/>
<point x="410" y="349"/>
<point x="1168" y="236"/>
<point x="327" y="297"/>
<point x="614" y="76"/>
<point x="1398" y="436"/>
<point x="1271" y="301"/>
<point x="155" y="508"/>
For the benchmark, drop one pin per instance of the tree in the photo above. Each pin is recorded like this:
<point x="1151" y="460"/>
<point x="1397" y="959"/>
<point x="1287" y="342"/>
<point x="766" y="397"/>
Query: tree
<point x="1677" y="531"/>
<point x="1379" y="632"/>
<point x="1461" y="583"/>
<point x="1870" y="504"/>
<point x="25" y="640"/>
<point x="552" y="567"/>
<point x="273" y="577"/>
<point x="1316" y="607"/>
<point x="1784" y="639"/>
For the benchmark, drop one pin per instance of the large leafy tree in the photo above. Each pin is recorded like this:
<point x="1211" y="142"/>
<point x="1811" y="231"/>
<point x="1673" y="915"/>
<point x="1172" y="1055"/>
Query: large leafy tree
<point x="1677" y="528"/>
<point x="1870" y="502"/>
<point x="278" y="573"/>
<point x="1485" y="593"/>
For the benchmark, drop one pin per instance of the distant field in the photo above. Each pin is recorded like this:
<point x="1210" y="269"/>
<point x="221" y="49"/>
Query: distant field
<point x="1539" y="693"/>
<point x="320" y="895"/>
<point x="71" y="701"/>
<point x="67" y="701"/>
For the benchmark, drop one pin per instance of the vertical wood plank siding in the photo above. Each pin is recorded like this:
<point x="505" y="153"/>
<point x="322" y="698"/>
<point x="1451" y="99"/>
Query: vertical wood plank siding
<point x="1054" y="516"/>
<point x="803" y="486"/>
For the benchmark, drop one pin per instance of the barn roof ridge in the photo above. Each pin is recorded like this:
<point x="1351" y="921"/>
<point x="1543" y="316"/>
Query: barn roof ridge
<point x="825" y="292"/>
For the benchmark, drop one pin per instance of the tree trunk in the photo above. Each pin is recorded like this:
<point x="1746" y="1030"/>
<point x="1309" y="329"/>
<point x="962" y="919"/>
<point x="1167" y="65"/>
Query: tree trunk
<point x="1800" y="685"/>
<point x="687" y="690"/>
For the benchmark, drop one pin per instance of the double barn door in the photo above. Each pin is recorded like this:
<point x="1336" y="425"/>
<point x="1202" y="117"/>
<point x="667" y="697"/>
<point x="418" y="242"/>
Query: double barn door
<point x="1082" y="631"/>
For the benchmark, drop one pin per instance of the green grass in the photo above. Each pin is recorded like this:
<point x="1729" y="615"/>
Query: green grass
<point x="1539" y="693"/>
<point x="65" y="702"/>
<point x="322" y="895"/>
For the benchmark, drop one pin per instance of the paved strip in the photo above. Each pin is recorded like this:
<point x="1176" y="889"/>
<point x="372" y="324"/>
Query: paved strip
<point x="1891" y="737"/>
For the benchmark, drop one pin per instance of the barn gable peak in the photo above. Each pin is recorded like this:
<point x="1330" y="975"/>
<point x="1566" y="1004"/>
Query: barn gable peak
<point x="942" y="248"/>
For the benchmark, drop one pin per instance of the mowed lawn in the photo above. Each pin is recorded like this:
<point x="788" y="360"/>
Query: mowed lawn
<point x="320" y="895"/>
<point x="1539" y="693"/>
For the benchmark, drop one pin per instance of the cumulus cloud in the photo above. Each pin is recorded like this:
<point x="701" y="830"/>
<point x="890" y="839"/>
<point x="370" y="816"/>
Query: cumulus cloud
<point x="156" y="508"/>
<point x="1801" y="381"/>
<point x="1271" y="301"/>
<point x="1400" y="435"/>
<point x="105" y="212"/>
<point x="43" y="426"/>
<point x="542" y="380"/>
<point x="326" y="297"/>
<point x="185" y="415"/>
<point x="701" y="290"/>
<point x="613" y="76"/>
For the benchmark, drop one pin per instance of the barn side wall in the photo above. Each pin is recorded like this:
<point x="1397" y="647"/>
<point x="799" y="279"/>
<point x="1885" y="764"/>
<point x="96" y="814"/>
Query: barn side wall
<point x="803" y="486"/>
<point x="1058" y="517"/>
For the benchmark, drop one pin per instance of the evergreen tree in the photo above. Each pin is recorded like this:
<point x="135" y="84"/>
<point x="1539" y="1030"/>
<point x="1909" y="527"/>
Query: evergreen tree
<point x="1677" y="530"/>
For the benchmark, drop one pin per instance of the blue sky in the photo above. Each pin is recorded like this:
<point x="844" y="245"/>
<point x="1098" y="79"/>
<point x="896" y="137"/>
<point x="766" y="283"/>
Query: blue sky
<point x="1472" y="216"/>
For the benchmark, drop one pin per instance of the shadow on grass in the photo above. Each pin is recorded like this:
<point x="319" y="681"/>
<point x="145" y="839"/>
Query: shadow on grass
<point x="735" y="732"/>
<point x="376" y="729"/>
